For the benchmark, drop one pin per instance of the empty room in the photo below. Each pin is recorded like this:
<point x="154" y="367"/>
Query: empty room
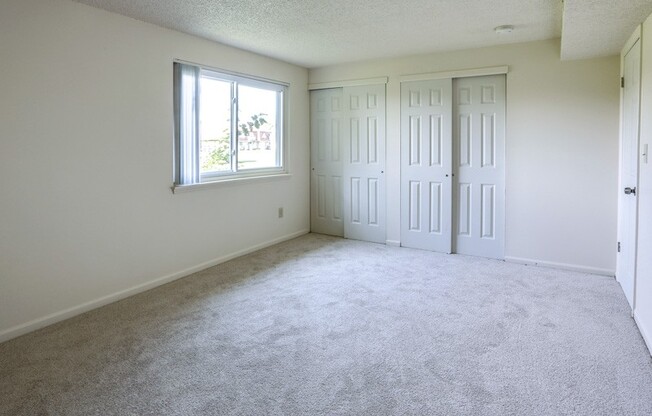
<point x="428" y="207"/>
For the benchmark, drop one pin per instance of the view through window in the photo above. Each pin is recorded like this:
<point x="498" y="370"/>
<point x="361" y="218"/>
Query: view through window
<point x="235" y="123"/>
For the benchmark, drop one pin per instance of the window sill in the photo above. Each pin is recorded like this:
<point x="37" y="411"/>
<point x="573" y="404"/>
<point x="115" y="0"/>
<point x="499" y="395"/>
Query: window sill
<point x="222" y="182"/>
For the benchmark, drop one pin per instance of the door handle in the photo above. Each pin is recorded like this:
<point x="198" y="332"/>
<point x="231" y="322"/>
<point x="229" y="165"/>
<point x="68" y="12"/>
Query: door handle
<point x="629" y="191"/>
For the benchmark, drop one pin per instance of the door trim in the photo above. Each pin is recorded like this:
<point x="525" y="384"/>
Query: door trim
<point x="462" y="73"/>
<point x="629" y="44"/>
<point x="349" y="83"/>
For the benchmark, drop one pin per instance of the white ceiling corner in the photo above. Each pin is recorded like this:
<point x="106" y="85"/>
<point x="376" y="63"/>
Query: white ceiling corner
<point x="314" y="33"/>
<point x="593" y="28"/>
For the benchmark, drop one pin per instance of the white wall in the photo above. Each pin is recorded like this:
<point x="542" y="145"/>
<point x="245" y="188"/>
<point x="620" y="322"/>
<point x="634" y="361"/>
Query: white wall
<point x="643" y="302"/>
<point x="562" y="147"/>
<point x="86" y="211"/>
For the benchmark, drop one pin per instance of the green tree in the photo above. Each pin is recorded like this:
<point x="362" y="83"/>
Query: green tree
<point x="257" y="121"/>
<point x="221" y="155"/>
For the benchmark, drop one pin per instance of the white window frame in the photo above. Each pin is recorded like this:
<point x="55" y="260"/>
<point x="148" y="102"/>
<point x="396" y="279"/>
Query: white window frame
<point x="187" y="173"/>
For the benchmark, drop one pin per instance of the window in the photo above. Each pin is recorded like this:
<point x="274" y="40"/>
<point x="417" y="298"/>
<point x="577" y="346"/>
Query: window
<point x="226" y="125"/>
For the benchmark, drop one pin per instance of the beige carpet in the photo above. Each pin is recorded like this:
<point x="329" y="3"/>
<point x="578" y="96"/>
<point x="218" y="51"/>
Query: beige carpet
<point x="325" y="326"/>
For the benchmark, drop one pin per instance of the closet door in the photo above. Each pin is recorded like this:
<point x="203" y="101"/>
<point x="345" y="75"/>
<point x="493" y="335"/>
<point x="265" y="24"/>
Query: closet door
<point x="479" y="165"/>
<point x="364" y="163"/>
<point x="326" y="191"/>
<point x="453" y="165"/>
<point x="426" y="164"/>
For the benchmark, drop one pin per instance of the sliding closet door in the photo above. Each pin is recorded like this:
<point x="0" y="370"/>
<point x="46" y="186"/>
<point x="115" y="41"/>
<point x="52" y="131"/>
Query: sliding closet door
<point x="326" y="191"/>
<point x="347" y="189"/>
<point x="453" y="165"/>
<point x="364" y="163"/>
<point x="479" y="165"/>
<point x="426" y="164"/>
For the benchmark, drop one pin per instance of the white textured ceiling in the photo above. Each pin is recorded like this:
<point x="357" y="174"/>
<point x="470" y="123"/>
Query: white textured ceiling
<point x="600" y="27"/>
<point x="315" y="33"/>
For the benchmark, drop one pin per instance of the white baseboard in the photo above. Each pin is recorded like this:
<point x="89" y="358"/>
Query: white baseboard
<point x="563" y="266"/>
<point x="646" y="338"/>
<point x="393" y="243"/>
<point x="55" y="317"/>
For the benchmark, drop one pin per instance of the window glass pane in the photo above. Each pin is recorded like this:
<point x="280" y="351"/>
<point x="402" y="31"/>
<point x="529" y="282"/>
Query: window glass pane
<point x="214" y="125"/>
<point x="218" y="138"/>
<point x="257" y="129"/>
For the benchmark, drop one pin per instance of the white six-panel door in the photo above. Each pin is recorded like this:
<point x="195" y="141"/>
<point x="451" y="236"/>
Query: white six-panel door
<point x="453" y="165"/>
<point x="364" y="163"/>
<point x="627" y="202"/>
<point x="348" y="162"/>
<point x="479" y="165"/>
<point x="326" y="190"/>
<point x="426" y="164"/>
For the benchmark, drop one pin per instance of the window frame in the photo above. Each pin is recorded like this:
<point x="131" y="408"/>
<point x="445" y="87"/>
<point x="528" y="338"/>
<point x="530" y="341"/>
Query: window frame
<point x="234" y="174"/>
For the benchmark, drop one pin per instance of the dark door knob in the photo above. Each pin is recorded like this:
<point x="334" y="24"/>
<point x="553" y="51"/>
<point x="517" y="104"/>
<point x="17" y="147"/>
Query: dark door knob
<point x="629" y="191"/>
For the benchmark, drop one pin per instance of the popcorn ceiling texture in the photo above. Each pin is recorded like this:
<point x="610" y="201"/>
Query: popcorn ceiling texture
<point x="600" y="27"/>
<point x="315" y="33"/>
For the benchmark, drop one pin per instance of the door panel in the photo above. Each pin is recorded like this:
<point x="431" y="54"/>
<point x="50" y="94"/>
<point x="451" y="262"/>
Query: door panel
<point x="435" y="214"/>
<point x="464" y="210"/>
<point x="364" y="169"/>
<point x="326" y="162"/>
<point x="487" y="206"/>
<point x="627" y="203"/>
<point x="426" y="165"/>
<point x="479" y="155"/>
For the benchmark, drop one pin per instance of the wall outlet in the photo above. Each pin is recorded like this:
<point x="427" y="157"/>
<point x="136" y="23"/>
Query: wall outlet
<point x="280" y="212"/>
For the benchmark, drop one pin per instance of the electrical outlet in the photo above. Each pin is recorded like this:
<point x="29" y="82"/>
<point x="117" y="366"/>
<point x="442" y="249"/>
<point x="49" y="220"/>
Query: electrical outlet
<point x="280" y="212"/>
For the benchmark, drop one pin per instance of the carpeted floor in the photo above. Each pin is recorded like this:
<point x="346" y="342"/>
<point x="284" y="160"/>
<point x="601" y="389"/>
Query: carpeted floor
<point x="325" y="326"/>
